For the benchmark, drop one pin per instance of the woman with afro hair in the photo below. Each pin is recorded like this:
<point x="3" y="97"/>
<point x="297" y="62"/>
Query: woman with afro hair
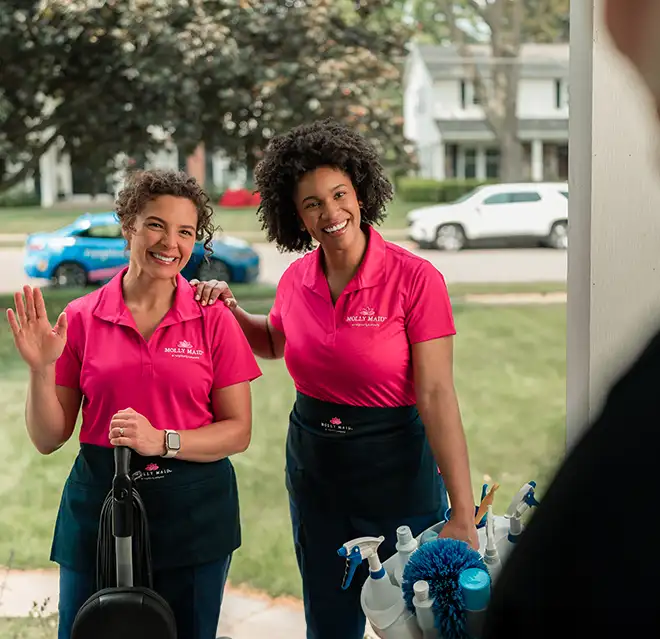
<point x="375" y="439"/>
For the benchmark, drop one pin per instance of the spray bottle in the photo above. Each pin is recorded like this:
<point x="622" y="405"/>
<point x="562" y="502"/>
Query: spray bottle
<point x="491" y="556"/>
<point x="424" y="610"/>
<point x="521" y="503"/>
<point x="406" y="544"/>
<point x="382" y="601"/>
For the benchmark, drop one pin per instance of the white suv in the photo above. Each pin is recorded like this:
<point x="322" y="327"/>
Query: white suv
<point x="536" y="211"/>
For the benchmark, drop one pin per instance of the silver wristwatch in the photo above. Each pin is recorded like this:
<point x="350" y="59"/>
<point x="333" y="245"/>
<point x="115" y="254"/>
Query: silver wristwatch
<point x="172" y="443"/>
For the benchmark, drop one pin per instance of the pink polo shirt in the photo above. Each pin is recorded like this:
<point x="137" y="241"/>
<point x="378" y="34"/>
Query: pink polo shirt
<point x="169" y="379"/>
<point x="359" y="351"/>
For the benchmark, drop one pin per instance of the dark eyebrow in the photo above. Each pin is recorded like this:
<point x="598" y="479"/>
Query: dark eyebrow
<point x="158" y="219"/>
<point x="313" y="197"/>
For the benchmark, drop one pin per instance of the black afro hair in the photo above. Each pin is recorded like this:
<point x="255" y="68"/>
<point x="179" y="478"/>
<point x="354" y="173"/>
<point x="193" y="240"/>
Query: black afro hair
<point x="305" y="148"/>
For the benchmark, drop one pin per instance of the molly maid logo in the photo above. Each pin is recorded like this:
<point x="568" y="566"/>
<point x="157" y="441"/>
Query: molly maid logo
<point x="367" y="316"/>
<point x="153" y="471"/>
<point x="184" y="349"/>
<point x="335" y="425"/>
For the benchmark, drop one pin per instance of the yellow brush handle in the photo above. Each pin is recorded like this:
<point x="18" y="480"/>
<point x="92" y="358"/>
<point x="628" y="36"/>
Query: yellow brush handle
<point x="485" y="502"/>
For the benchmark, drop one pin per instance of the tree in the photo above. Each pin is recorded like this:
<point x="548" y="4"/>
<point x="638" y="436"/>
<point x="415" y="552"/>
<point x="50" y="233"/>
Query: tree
<point x="113" y="77"/>
<point x="104" y="77"/>
<point x="307" y="60"/>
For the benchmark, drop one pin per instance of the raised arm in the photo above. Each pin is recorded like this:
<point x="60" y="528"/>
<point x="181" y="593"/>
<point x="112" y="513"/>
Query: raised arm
<point x="51" y="410"/>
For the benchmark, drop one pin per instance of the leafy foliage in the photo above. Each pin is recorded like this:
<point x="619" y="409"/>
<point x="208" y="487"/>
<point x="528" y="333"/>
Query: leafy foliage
<point x="110" y="78"/>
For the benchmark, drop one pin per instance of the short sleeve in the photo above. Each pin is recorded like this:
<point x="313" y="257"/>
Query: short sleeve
<point x="428" y="313"/>
<point x="233" y="361"/>
<point x="69" y="363"/>
<point x="281" y="295"/>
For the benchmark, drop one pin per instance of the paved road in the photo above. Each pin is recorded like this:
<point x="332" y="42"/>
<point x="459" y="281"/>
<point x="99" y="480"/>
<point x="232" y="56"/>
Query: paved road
<point x="494" y="265"/>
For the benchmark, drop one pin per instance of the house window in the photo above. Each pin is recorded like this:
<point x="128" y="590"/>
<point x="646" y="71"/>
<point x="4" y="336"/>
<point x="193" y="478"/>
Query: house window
<point x="561" y="94"/>
<point x="492" y="164"/>
<point x="470" y="164"/>
<point x="468" y="94"/>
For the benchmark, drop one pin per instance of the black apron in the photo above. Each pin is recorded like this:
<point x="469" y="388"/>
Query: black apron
<point x="367" y="462"/>
<point x="192" y="509"/>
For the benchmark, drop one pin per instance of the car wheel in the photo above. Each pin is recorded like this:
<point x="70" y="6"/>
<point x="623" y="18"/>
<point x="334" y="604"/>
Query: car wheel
<point x="558" y="238"/>
<point x="450" y="237"/>
<point x="213" y="270"/>
<point x="69" y="275"/>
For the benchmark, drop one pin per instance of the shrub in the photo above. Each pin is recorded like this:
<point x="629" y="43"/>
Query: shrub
<point x="414" y="189"/>
<point x="16" y="198"/>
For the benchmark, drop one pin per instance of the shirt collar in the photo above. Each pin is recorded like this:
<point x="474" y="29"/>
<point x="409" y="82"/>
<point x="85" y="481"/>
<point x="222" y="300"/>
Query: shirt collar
<point x="371" y="272"/>
<point x="111" y="306"/>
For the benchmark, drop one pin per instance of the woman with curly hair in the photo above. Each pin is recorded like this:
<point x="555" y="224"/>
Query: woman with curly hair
<point x="158" y="373"/>
<point x="365" y="328"/>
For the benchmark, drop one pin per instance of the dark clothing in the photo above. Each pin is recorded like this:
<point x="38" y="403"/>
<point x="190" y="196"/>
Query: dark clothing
<point x="353" y="472"/>
<point x="191" y="508"/>
<point x="587" y="565"/>
<point x="194" y="594"/>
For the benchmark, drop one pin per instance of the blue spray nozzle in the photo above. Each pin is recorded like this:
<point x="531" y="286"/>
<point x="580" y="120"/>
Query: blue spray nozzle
<point x="356" y="551"/>
<point x="353" y="560"/>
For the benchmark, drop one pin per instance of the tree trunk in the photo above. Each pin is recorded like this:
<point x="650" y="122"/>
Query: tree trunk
<point x="511" y="157"/>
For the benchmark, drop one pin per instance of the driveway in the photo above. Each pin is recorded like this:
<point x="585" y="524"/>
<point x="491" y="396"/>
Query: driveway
<point x="494" y="265"/>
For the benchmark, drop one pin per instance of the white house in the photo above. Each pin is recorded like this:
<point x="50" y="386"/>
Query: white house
<point x="449" y="129"/>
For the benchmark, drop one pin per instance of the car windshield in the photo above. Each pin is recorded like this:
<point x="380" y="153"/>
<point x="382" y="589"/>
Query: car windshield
<point x="467" y="195"/>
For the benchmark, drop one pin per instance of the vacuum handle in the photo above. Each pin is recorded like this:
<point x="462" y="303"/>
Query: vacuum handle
<point x="122" y="461"/>
<point x="122" y="516"/>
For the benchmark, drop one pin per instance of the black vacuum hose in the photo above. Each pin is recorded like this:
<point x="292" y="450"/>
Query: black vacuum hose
<point x="123" y="509"/>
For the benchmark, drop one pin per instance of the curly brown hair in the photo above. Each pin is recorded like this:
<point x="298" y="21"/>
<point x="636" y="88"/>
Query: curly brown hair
<point x="305" y="148"/>
<point x="143" y="186"/>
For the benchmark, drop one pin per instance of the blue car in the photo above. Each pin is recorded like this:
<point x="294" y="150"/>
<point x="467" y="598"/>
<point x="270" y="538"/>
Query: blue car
<point x="91" y="250"/>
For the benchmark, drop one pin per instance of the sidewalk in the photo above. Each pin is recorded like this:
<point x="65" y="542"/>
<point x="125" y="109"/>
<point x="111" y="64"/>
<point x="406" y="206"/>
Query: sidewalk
<point x="245" y="615"/>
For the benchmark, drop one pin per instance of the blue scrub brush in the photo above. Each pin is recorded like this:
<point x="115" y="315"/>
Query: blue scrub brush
<point x="440" y="563"/>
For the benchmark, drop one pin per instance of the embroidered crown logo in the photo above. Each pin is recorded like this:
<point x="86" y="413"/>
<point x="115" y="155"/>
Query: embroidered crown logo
<point x="335" y="421"/>
<point x="367" y="311"/>
<point x="184" y="344"/>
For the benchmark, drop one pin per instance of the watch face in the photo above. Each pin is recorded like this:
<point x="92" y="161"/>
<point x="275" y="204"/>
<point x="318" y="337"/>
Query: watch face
<point x="173" y="441"/>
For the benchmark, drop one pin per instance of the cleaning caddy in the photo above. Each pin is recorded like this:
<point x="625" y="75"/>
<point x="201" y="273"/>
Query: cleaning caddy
<point x="433" y="587"/>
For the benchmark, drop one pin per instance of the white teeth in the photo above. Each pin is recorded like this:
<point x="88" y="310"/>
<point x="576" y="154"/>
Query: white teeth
<point x="336" y="227"/>
<point x="163" y="258"/>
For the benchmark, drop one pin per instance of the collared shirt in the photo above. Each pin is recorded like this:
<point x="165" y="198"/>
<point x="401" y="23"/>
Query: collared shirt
<point x="169" y="378"/>
<point x="358" y="351"/>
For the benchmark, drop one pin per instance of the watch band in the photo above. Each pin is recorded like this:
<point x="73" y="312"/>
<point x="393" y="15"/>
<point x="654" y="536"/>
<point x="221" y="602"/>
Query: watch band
<point x="169" y="452"/>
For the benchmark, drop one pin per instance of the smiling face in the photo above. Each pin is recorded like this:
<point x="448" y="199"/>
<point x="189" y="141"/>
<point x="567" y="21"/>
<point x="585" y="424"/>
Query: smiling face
<point x="163" y="236"/>
<point x="328" y="207"/>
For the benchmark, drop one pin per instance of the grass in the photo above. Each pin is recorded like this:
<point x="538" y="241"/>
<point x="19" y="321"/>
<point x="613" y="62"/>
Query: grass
<point x="505" y="288"/>
<point x="22" y="220"/>
<point x="510" y="376"/>
<point x="29" y="628"/>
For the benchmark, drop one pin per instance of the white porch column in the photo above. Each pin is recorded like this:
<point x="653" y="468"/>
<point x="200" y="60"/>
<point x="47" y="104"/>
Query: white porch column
<point x="537" y="161"/>
<point x="614" y="213"/>
<point x="67" y="175"/>
<point x="439" y="159"/>
<point x="481" y="163"/>
<point x="48" y="177"/>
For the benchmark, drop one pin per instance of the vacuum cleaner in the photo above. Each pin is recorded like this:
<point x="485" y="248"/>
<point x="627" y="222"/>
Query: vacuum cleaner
<point x="125" y="604"/>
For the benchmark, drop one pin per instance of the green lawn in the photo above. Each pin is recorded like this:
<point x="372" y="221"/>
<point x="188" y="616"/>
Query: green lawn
<point x="44" y="627"/>
<point x="510" y="375"/>
<point x="231" y="220"/>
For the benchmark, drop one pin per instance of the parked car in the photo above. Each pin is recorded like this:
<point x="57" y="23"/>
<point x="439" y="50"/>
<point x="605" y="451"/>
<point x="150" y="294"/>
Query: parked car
<point x="535" y="211"/>
<point x="92" y="250"/>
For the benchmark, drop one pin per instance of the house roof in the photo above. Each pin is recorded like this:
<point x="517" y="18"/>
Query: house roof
<point x="537" y="60"/>
<point x="462" y="130"/>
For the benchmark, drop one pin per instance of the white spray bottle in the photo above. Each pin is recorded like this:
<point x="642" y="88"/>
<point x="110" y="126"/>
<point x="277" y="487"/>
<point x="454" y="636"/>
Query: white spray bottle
<point x="491" y="556"/>
<point x="406" y="544"/>
<point x="382" y="601"/>
<point x="424" y="610"/>
<point x="521" y="503"/>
